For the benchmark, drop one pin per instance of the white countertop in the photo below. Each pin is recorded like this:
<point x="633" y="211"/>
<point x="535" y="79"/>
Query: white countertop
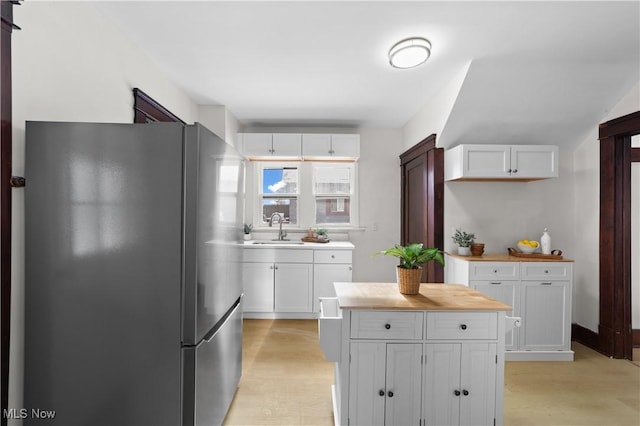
<point x="331" y="245"/>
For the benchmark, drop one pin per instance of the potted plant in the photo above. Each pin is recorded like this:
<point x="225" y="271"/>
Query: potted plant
<point x="247" y="231"/>
<point x="323" y="234"/>
<point x="464" y="241"/>
<point x="409" y="271"/>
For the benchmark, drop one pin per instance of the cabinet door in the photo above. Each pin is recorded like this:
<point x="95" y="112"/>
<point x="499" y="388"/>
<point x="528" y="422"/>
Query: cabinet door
<point x="316" y="145"/>
<point x="546" y="313"/>
<point x="258" y="144"/>
<point x="403" y="393"/>
<point x="287" y="145"/>
<point x="507" y="292"/>
<point x="478" y="383"/>
<point x="489" y="161"/>
<point x="293" y="287"/>
<point x="257" y="279"/>
<point x="324" y="275"/>
<point x="533" y="161"/>
<point x="367" y="392"/>
<point x="441" y="381"/>
<point x="345" y="146"/>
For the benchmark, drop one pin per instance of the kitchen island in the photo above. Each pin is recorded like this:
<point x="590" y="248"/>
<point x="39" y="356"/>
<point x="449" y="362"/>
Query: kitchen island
<point x="435" y="358"/>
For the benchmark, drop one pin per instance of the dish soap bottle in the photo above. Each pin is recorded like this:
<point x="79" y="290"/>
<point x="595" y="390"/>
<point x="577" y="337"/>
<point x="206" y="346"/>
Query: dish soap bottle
<point x="545" y="242"/>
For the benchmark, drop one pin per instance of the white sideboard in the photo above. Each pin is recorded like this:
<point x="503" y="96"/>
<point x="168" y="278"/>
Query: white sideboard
<point x="539" y="291"/>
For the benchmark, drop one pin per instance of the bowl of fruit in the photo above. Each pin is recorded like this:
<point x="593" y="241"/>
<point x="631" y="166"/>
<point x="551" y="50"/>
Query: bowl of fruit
<point x="528" y="246"/>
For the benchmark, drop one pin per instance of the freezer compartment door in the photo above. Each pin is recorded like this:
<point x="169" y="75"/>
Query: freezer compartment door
<point x="212" y="371"/>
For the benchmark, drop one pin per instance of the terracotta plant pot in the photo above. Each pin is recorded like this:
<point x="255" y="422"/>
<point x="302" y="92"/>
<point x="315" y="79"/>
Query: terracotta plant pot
<point x="477" y="249"/>
<point x="409" y="280"/>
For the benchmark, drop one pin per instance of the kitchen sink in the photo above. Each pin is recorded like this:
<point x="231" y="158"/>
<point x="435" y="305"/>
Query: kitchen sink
<point x="285" y="242"/>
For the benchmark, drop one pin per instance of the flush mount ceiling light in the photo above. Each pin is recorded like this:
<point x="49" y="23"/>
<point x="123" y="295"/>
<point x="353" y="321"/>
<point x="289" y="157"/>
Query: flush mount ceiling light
<point x="410" y="52"/>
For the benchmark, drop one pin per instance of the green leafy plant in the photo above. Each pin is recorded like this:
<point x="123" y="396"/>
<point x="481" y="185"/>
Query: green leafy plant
<point x="248" y="228"/>
<point x="414" y="255"/>
<point x="463" y="239"/>
<point x="321" y="231"/>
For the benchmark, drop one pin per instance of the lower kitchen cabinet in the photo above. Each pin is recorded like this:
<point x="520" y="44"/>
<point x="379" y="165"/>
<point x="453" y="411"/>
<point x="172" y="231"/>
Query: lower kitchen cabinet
<point x="385" y="383"/>
<point x="548" y="321"/>
<point x="277" y="287"/>
<point x="258" y="286"/>
<point x="293" y="287"/>
<point x="284" y="282"/>
<point x="459" y="383"/>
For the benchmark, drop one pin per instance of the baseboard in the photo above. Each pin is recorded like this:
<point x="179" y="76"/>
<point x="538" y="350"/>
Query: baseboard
<point x="635" y="338"/>
<point x="585" y="336"/>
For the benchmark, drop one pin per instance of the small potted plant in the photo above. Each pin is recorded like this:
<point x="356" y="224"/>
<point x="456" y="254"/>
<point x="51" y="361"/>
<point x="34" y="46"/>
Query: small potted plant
<point x="247" y="231"/>
<point x="323" y="234"/>
<point x="464" y="241"/>
<point x="409" y="271"/>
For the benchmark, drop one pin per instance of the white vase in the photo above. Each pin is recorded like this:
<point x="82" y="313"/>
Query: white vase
<point x="247" y="237"/>
<point x="545" y="242"/>
<point x="464" y="251"/>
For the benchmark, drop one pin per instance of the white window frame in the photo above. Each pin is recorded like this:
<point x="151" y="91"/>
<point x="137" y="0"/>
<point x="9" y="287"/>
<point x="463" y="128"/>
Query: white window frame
<point x="260" y="195"/>
<point x="306" y="196"/>
<point x="352" y="191"/>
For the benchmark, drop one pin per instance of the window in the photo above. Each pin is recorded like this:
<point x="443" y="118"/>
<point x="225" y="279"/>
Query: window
<point x="279" y="193"/>
<point x="332" y="189"/>
<point x="306" y="193"/>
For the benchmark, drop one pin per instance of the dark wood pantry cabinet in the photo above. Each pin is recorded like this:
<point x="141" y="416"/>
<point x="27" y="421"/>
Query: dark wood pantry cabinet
<point x="422" y="201"/>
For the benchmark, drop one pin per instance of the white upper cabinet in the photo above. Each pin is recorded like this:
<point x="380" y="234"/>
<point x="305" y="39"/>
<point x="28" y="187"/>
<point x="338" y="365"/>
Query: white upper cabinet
<point x="273" y="146"/>
<point x="501" y="162"/>
<point x="295" y="146"/>
<point x="335" y="147"/>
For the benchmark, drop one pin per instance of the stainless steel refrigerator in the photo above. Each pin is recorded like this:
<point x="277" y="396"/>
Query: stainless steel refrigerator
<point x="133" y="292"/>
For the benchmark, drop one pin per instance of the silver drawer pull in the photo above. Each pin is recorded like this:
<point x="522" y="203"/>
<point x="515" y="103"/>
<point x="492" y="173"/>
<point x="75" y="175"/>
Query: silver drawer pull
<point x="545" y="283"/>
<point x="495" y="282"/>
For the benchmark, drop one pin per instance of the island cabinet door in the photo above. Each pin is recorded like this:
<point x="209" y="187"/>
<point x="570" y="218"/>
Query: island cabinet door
<point x="385" y="383"/>
<point x="367" y="391"/>
<point x="404" y="372"/>
<point x="459" y="384"/>
<point x="441" y="388"/>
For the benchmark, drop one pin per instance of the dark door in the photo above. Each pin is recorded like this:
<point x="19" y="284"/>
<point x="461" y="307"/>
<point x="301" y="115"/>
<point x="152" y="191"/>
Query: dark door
<point x="422" y="168"/>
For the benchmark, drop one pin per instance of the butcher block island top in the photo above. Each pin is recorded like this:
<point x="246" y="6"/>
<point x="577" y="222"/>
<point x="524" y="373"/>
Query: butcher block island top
<point x="432" y="297"/>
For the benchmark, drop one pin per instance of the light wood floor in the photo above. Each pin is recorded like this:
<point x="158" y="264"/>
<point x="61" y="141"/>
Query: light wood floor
<point x="286" y="381"/>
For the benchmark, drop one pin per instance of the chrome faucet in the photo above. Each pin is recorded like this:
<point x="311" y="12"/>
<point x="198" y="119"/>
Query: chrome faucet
<point x="281" y="233"/>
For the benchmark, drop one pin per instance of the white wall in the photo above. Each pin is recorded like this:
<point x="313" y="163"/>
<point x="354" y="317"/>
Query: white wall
<point x="586" y="164"/>
<point x="379" y="185"/>
<point x="70" y="65"/>
<point x="220" y="121"/>
<point x="433" y="116"/>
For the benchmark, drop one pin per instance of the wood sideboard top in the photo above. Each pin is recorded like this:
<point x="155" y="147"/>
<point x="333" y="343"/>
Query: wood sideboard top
<point x="504" y="257"/>
<point x="432" y="297"/>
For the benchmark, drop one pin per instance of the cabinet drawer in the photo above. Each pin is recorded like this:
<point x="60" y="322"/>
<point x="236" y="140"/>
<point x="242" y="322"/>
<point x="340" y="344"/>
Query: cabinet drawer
<point x="332" y="256"/>
<point x="386" y="325"/>
<point x="278" y="255"/>
<point x="494" y="271"/>
<point x="461" y="325"/>
<point x="535" y="271"/>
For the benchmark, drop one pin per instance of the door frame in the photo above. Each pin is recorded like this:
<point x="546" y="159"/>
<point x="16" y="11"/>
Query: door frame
<point x="615" y="337"/>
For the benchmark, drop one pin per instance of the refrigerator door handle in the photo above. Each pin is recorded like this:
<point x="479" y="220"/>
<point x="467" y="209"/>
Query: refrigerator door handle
<point x="209" y="336"/>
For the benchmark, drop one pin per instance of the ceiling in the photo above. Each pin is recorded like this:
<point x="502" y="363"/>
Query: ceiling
<point x="301" y="63"/>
